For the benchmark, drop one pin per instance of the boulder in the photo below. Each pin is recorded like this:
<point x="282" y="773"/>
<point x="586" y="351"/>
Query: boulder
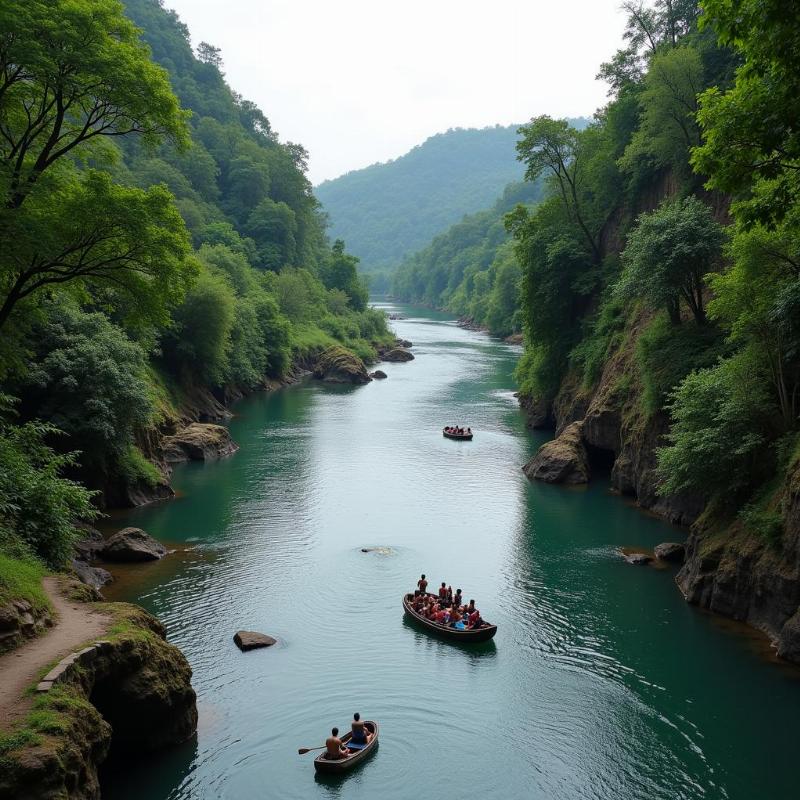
<point x="339" y="365"/>
<point x="378" y="375"/>
<point x="670" y="551"/>
<point x="397" y="354"/>
<point x="403" y="343"/>
<point x="91" y="576"/>
<point x="92" y="541"/>
<point x="640" y="559"/>
<point x="252" y="640"/>
<point x="563" y="460"/>
<point x="200" y="441"/>
<point x="132" y="544"/>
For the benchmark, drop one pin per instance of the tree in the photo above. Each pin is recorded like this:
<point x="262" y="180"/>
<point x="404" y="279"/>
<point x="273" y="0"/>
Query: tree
<point x="669" y="105"/>
<point x="89" y="232"/>
<point x="71" y="75"/>
<point x="719" y="418"/>
<point x="758" y="301"/>
<point x="342" y="273"/>
<point x="208" y="54"/>
<point x="668" y="253"/>
<point x="553" y="146"/>
<point x="750" y="131"/>
<point x="273" y="227"/>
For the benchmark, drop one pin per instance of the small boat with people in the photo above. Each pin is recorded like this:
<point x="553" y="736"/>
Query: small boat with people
<point x="446" y="614"/>
<point x="352" y="753"/>
<point x="457" y="432"/>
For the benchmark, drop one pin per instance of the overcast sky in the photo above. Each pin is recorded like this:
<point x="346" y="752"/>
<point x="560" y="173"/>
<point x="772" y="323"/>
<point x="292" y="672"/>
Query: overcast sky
<point x="360" y="81"/>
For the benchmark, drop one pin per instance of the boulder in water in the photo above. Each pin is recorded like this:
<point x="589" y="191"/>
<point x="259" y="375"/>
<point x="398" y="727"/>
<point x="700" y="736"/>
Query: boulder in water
<point x="397" y="354"/>
<point x="200" y="441"/>
<point x="132" y="544"/>
<point x="338" y="365"/>
<point x="252" y="640"/>
<point x="639" y="559"/>
<point x="91" y="576"/>
<point x="564" y="460"/>
<point x="378" y="375"/>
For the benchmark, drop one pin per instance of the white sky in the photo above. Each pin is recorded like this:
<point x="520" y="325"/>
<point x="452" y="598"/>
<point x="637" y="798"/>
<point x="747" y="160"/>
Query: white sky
<point x="360" y="81"/>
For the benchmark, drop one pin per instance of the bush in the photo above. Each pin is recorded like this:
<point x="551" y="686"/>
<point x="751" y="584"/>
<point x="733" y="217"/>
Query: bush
<point x="591" y="354"/>
<point x="667" y="353"/>
<point x="720" y="426"/>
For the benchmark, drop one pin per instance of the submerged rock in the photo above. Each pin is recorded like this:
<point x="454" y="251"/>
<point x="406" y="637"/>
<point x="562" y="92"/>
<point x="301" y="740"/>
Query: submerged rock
<point x="200" y="441"/>
<point x="339" y="365"/>
<point x="378" y="375"/>
<point x="252" y="640"/>
<point x="563" y="460"/>
<point x="132" y="544"/>
<point x="670" y="551"/>
<point x="398" y="355"/>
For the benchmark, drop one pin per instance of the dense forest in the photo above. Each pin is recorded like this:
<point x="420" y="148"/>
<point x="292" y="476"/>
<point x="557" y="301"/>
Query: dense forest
<point x="472" y="269"/>
<point x="156" y="237"/>
<point x="660" y="274"/>
<point x="388" y="211"/>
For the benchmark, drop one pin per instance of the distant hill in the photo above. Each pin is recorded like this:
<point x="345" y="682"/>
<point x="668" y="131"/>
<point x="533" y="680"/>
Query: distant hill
<point x="388" y="211"/>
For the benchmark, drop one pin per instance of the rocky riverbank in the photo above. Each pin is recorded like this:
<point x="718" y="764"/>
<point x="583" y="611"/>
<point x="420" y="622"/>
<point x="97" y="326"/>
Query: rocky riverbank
<point x="728" y="569"/>
<point x="129" y="691"/>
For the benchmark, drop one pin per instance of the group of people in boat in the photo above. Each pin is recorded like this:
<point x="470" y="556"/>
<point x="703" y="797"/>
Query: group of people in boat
<point x="458" y="431"/>
<point x="446" y="608"/>
<point x="336" y="749"/>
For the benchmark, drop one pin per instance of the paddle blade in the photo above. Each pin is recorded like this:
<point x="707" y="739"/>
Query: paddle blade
<point x="303" y="750"/>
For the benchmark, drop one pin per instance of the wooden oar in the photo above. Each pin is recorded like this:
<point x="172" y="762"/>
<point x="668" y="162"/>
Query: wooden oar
<point x="303" y="750"/>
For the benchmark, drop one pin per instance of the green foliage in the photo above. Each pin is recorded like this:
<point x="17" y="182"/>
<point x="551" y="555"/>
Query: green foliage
<point x="667" y="353"/>
<point x="340" y="273"/>
<point x="135" y="469"/>
<point x="37" y="504"/>
<point x="388" y="211"/>
<point x="605" y="336"/>
<point x="721" y="417"/>
<point x="765" y="522"/>
<point x="750" y="131"/>
<point x="21" y="579"/>
<point x="668" y="253"/>
<point x="74" y="75"/>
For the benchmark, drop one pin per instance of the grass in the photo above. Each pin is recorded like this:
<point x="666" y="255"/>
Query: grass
<point x="21" y="579"/>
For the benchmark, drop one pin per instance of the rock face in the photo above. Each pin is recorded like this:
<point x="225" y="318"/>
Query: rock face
<point x="200" y="441"/>
<point x="397" y="354"/>
<point x="19" y="620"/>
<point x="339" y="365"/>
<point x="132" y="544"/>
<point x="130" y="694"/>
<point x="564" y="460"/>
<point x="378" y="375"/>
<point x="670" y="551"/>
<point x="251" y="640"/>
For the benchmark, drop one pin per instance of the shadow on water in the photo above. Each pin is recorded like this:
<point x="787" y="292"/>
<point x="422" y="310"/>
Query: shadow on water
<point x="476" y="651"/>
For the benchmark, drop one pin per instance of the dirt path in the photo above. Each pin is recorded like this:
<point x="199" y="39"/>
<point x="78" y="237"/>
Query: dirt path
<point x="76" y="623"/>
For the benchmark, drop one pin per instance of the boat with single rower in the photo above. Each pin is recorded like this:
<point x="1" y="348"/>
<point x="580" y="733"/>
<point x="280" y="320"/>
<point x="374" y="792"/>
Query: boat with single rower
<point x="323" y="764"/>
<point x="482" y="634"/>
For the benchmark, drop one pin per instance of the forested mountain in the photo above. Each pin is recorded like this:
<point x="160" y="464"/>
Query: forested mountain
<point x="388" y="211"/>
<point x="661" y="294"/>
<point x="471" y="269"/>
<point x="156" y="240"/>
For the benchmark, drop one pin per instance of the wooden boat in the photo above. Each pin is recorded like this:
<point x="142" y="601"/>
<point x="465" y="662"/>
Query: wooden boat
<point x="322" y="764"/>
<point x="482" y="634"/>
<point x="467" y="437"/>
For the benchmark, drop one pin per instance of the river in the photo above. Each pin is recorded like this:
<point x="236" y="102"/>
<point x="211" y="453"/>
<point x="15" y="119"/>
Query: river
<point x="600" y="683"/>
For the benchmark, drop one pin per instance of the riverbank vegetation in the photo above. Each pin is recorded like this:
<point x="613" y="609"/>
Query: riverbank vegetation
<point x="156" y="236"/>
<point x="674" y="215"/>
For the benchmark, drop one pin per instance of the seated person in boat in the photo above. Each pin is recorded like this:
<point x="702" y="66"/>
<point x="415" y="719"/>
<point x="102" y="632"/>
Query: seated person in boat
<point x="470" y="608"/>
<point x="442" y="592"/>
<point x="361" y="734"/>
<point x="334" y="749"/>
<point x="474" y="619"/>
<point x="455" y="616"/>
<point x="422" y="585"/>
<point x="458" y="600"/>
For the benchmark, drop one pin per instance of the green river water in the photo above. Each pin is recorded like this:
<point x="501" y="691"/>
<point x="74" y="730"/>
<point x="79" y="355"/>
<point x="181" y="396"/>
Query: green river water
<point x="600" y="683"/>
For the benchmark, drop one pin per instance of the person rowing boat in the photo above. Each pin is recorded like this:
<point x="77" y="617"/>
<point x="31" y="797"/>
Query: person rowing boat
<point x="334" y="748"/>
